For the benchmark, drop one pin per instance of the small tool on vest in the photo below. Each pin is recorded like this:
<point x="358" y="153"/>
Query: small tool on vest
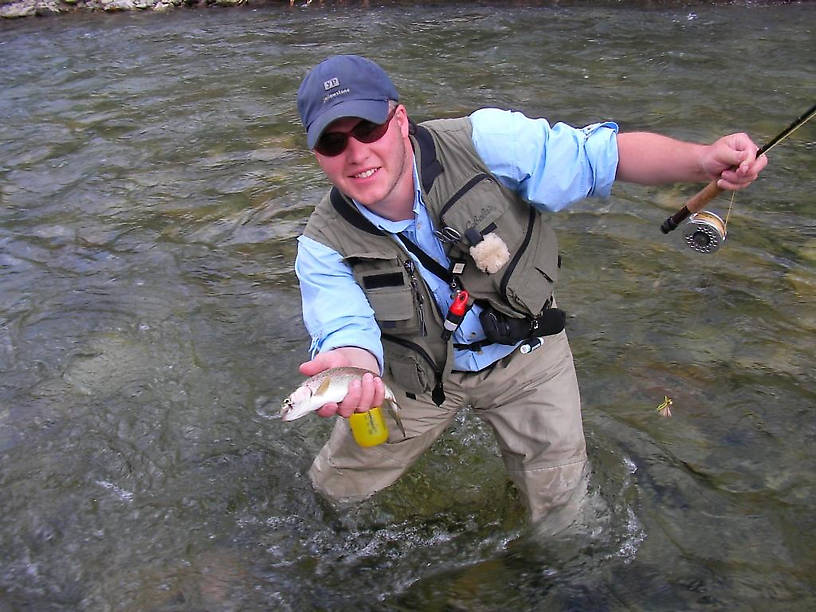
<point x="531" y="344"/>
<point x="456" y="313"/>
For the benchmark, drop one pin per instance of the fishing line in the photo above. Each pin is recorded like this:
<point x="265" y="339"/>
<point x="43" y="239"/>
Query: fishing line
<point x="730" y="206"/>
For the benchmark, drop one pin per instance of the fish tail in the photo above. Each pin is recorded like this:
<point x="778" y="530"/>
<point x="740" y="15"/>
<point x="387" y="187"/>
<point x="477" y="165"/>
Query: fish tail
<point x="394" y="410"/>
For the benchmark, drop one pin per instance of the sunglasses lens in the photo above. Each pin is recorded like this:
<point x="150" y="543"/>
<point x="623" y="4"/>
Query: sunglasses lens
<point x="368" y="132"/>
<point x="331" y="144"/>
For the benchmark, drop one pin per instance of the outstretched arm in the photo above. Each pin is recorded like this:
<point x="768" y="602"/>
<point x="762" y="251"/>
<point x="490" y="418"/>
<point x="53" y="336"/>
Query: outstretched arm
<point x="652" y="159"/>
<point x="342" y="325"/>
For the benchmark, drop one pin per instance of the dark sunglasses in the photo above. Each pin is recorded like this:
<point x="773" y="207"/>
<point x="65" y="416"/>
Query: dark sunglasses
<point x="332" y="144"/>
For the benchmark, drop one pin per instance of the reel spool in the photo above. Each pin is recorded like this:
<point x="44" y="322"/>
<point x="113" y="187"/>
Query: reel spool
<point x="704" y="232"/>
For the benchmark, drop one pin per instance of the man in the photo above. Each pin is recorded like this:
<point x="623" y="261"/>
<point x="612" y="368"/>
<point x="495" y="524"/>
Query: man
<point x="427" y="221"/>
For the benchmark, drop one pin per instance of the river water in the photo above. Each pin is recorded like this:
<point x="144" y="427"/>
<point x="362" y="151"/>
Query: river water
<point x="153" y="179"/>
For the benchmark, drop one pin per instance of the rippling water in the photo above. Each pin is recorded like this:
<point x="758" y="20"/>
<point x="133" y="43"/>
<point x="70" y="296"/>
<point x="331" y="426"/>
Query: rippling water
<point x="153" y="180"/>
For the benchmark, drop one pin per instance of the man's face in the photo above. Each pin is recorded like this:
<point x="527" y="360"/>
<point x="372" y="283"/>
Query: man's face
<point x="371" y="173"/>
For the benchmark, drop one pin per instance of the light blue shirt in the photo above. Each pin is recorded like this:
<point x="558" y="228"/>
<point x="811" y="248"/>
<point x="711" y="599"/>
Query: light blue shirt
<point x="548" y="166"/>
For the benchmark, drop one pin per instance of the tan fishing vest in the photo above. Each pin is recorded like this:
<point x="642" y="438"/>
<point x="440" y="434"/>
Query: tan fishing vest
<point x="465" y="202"/>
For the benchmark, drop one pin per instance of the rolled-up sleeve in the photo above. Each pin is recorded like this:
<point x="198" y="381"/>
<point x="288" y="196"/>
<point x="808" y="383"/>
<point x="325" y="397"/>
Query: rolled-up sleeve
<point x="335" y="310"/>
<point x="549" y="166"/>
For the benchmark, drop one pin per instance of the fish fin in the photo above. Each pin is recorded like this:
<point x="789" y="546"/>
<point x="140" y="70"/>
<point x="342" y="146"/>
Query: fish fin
<point x="324" y="386"/>
<point x="394" y="409"/>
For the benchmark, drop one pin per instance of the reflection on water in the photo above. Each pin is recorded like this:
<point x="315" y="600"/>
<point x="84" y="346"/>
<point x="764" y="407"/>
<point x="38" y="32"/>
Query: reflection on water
<point x="154" y="179"/>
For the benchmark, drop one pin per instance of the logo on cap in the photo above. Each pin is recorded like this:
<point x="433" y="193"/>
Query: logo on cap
<point x="327" y="85"/>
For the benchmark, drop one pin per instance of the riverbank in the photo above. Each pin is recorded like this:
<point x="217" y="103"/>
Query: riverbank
<point x="12" y="9"/>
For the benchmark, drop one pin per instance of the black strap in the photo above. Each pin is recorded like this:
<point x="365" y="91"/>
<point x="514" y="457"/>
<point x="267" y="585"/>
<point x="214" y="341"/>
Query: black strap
<point x="473" y="346"/>
<point x="427" y="261"/>
<point x="429" y="166"/>
<point x="351" y="214"/>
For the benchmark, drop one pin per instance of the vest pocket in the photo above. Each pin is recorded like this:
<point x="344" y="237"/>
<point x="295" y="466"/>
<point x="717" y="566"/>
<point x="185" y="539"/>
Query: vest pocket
<point x="532" y="280"/>
<point x="474" y="207"/>
<point x="407" y="367"/>
<point x="527" y="277"/>
<point x="389" y="293"/>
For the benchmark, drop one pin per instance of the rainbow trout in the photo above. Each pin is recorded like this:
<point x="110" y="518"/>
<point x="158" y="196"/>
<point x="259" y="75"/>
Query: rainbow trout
<point x="330" y="386"/>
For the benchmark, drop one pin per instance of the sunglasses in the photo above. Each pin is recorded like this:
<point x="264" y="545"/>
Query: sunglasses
<point x="332" y="144"/>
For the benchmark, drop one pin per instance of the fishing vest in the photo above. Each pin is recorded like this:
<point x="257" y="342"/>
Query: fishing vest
<point x="466" y="204"/>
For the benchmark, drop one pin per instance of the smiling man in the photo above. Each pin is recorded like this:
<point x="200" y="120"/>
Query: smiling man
<point x="447" y="212"/>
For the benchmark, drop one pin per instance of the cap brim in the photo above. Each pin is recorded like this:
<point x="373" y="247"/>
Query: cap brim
<point x="375" y="111"/>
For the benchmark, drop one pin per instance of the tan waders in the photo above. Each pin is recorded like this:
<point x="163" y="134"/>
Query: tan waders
<point x="531" y="402"/>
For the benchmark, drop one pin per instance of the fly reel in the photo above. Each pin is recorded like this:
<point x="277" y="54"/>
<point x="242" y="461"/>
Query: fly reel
<point x="704" y="232"/>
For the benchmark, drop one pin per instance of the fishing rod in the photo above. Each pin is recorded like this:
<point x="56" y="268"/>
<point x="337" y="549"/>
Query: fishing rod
<point x="711" y="231"/>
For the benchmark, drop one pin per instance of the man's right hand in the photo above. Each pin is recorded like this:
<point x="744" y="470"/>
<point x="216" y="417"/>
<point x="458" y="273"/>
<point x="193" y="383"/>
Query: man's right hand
<point x="363" y="394"/>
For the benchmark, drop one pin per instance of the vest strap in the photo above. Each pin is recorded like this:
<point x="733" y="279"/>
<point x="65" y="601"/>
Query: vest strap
<point x="351" y="214"/>
<point x="429" y="167"/>
<point x="429" y="262"/>
<point x="473" y="346"/>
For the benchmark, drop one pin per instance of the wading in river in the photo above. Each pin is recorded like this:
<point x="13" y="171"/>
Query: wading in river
<point x="428" y="264"/>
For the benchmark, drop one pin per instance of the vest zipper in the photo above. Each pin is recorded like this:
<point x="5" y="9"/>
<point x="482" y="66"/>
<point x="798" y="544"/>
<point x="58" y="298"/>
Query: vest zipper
<point x="408" y="264"/>
<point x="514" y="262"/>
